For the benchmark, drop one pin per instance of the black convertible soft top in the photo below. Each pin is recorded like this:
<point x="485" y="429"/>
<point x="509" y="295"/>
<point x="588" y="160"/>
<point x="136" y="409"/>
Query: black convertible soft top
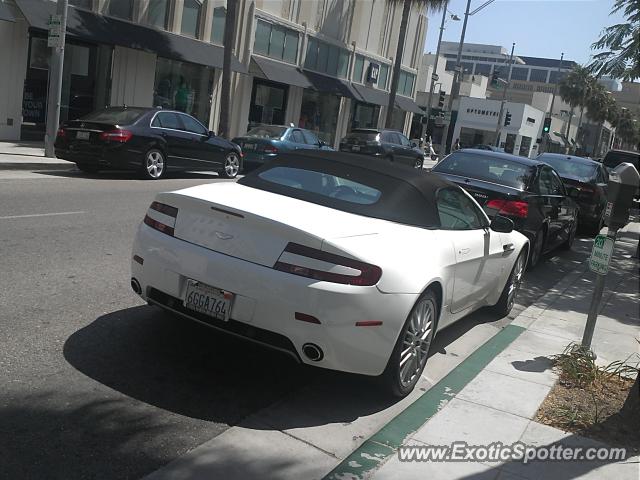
<point x="407" y="194"/>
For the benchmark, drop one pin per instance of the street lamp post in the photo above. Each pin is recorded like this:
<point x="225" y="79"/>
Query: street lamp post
<point x="504" y="97"/>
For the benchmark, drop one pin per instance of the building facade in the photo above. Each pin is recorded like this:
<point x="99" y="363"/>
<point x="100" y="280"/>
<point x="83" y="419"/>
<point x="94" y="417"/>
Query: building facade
<point x="319" y="64"/>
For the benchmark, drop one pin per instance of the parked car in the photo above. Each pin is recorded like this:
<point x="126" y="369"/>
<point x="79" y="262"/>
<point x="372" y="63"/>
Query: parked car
<point x="488" y="147"/>
<point x="263" y="143"/>
<point x="529" y="192"/>
<point x="588" y="179"/>
<point x="390" y="145"/>
<point x="613" y="158"/>
<point x="302" y="255"/>
<point x="147" y="140"/>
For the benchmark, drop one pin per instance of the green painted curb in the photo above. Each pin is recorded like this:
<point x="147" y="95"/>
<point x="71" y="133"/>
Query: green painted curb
<point x="373" y="452"/>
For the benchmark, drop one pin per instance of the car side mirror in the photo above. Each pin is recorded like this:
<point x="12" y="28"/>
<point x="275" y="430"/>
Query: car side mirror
<point x="501" y="224"/>
<point x="212" y="133"/>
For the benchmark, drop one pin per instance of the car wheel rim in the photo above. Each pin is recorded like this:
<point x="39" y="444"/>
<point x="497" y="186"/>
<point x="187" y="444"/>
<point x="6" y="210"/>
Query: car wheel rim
<point x="231" y="165"/>
<point x="418" y="164"/>
<point x="516" y="280"/>
<point x="415" y="344"/>
<point x="155" y="164"/>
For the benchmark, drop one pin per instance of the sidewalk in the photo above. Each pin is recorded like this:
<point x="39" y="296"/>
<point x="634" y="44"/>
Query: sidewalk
<point x="28" y="156"/>
<point x="499" y="404"/>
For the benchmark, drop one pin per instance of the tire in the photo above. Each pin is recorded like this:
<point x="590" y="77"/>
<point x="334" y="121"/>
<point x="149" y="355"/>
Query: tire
<point x="572" y="236"/>
<point x="536" y="250"/>
<point x="510" y="291"/>
<point x="423" y="318"/>
<point x="419" y="163"/>
<point x="231" y="166"/>
<point x="83" y="167"/>
<point x="153" y="165"/>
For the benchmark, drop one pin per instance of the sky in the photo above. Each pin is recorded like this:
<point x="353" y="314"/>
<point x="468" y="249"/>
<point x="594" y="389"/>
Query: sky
<point x="540" y="28"/>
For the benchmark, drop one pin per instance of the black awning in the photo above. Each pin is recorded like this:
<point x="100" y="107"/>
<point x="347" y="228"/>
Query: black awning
<point x="5" y="13"/>
<point x="281" y="72"/>
<point x="323" y="83"/>
<point x="89" y="26"/>
<point x="371" y="95"/>
<point x="408" y="105"/>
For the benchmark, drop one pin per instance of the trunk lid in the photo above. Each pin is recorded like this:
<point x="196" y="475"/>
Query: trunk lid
<point x="256" y="225"/>
<point x="483" y="191"/>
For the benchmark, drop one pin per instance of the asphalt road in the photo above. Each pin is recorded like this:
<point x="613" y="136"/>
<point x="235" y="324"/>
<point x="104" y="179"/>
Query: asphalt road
<point x="95" y="384"/>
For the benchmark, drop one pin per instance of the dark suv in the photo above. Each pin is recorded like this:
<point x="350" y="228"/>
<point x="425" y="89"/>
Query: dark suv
<point x="388" y="144"/>
<point x="613" y="158"/>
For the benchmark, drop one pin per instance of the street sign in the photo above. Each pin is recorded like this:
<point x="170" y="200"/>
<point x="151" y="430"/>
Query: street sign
<point x="55" y="31"/>
<point x="601" y="254"/>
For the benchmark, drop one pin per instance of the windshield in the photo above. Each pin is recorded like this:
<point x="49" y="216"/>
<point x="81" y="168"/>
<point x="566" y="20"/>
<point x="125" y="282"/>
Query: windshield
<point x="267" y="131"/>
<point x="366" y="135"/>
<point x="120" y="116"/>
<point x="571" y="168"/>
<point x="487" y="168"/>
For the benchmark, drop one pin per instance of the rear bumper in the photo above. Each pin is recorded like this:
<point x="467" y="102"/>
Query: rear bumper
<point x="266" y="301"/>
<point x="117" y="157"/>
<point x="253" y="159"/>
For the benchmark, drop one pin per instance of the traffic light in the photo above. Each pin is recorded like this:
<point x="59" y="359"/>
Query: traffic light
<point x="507" y="119"/>
<point x="547" y="125"/>
<point x="441" y="98"/>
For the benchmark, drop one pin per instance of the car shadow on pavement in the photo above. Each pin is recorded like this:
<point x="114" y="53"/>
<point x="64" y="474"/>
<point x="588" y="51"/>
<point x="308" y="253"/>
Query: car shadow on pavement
<point x="126" y="175"/>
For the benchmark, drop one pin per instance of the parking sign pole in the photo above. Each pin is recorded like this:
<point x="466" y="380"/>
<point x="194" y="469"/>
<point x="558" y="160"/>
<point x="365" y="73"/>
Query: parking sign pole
<point x="595" y="300"/>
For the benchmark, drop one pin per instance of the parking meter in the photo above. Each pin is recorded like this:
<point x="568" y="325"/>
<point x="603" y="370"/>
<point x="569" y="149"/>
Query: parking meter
<point x="624" y="181"/>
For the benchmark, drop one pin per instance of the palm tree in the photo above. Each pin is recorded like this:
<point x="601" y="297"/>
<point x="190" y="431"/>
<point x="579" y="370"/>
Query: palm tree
<point x="600" y="108"/>
<point x="622" y="44"/>
<point x="627" y="127"/>
<point x="574" y="89"/>
<point x="225" y="93"/>
<point x="434" y="5"/>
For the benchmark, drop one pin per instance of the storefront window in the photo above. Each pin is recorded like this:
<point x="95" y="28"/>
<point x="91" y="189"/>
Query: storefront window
<point x="383" y="76"/>
<point x="276" y="41"/>
<point x="405" y="83"/>
<point x="182" y="86"/>
<point x="358" y="68"/>
<point x="268" y="103"/>
<point x="119" y="8"/>
<point x="157" y="13"/>
<point x="364" y="115"/>
<point x="190" y="25"/>
<point x="325" y="58"/>
<point x="319" y="113"/>
<point x="397" y="119"/>
<point x="217" y="25"/>
<point x="525" y="146"/>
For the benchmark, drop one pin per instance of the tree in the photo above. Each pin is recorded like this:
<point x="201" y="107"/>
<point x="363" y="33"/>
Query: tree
<point x="574" y="89"/>
<point x="621" y="44"/>
<point x="225" y="93"/>
<point x="601" y="107"/>
<point x="627" y="127"/>
<point x="434" y="5"/>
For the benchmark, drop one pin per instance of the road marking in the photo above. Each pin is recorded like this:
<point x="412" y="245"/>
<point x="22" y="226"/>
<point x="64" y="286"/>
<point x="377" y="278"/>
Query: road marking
<point x="10" y="217"/>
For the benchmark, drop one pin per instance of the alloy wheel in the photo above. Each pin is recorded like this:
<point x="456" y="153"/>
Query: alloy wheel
<point x="155" y="164"/>
<point x="416" y="342"/>
<point x="231" y="165"/>
<point x="516" y="280"/>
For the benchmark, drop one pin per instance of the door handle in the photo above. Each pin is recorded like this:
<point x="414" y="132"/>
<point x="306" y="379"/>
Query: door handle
<point x="464" y="251"/>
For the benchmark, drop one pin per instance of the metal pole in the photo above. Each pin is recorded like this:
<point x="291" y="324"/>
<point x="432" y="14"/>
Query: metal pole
<point x="435" y="67"/>
<point x="55" y="83"/>
<point x="595" y="302"/>
<point x="455" y="87"/>
<point x="543" y="146"/>
<point x="504" y="96"/>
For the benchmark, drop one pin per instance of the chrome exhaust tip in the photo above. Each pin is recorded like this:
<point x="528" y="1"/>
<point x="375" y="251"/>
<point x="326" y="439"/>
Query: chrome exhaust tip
<point x="135" y="285"/>
<point x="313" y="352"/>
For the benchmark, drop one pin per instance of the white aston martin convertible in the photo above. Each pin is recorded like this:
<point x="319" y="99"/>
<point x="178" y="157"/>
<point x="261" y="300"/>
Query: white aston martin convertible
<point x="343" y="261"/>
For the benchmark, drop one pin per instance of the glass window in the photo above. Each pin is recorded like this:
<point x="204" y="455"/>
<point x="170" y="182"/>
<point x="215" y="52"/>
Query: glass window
<point x="390" y="137"/>
<point x="157" y="13"/>
<point x="538" y="75"/>
<point x="169" y="120"/>
<point x="192" y="125"/>
<point x="404" y="141"/>
<point x="332" y="62"/>
<point x="276" y="44"/>
<point x="268" y="103"/>
<point x="310" y="138"/>
<point x="364" y="115"/>
<point x="323" y="57"/>
<point x="519" y="73"/>
<point x="263" y="34"/>
<point x="267" y="131"/>
<point x="343" y="64"/>
<point x="155" y="122"/>
<point x="382" y="78"/>
<point x="119" y="8"/>
<point x="296" y="137"/>
<point x="217" y="25"/>
<point x="457" y="211"/>
<point x="358" y="68"/>
<point x="557" y="188"/>
<point x="183" y="86"/>
<point x="276" y="41"/>
<point x="190" y="25"/>
<point x="116" y="116"/>
<point x="482" y="69"/>
<point x="312" y="54"/>
<point x="319" y="114"/>
<point x="291" y="47"/>
<point x="585" y="171"/>
<point x="324" y="184"/>
<point x="554" y="75"/>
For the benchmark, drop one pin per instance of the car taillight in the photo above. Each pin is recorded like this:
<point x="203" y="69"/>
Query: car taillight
<point x="270" y="149"/>
<point x="161" y="217"/>
<point x="327" y="267"/>
<point x="62" y="133"/>
<point x="515" y="208"/>
<point x="117" y="135"/>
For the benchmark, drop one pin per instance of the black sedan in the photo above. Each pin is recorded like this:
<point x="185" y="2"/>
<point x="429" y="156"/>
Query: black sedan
<point x="389" y="145"/>
<point x="147" y="140"/>
<point x="529" y="192"/>
<point x="587" y="181"/>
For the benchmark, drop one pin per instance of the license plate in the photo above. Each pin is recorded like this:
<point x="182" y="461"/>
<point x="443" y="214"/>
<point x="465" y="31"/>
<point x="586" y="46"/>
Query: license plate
<point x="208" y="300"/>
<point x="355" y="148"/>
<point x="249" y="146"/>
<point x="83" y="135"/>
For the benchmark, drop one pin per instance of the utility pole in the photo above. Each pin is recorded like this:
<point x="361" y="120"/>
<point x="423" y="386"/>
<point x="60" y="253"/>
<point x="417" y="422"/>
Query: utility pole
<point x="434" y="76"/>
<point x="504" y="96"/>
<point x="55" y="81"/>
<point x="543" y="146"/>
